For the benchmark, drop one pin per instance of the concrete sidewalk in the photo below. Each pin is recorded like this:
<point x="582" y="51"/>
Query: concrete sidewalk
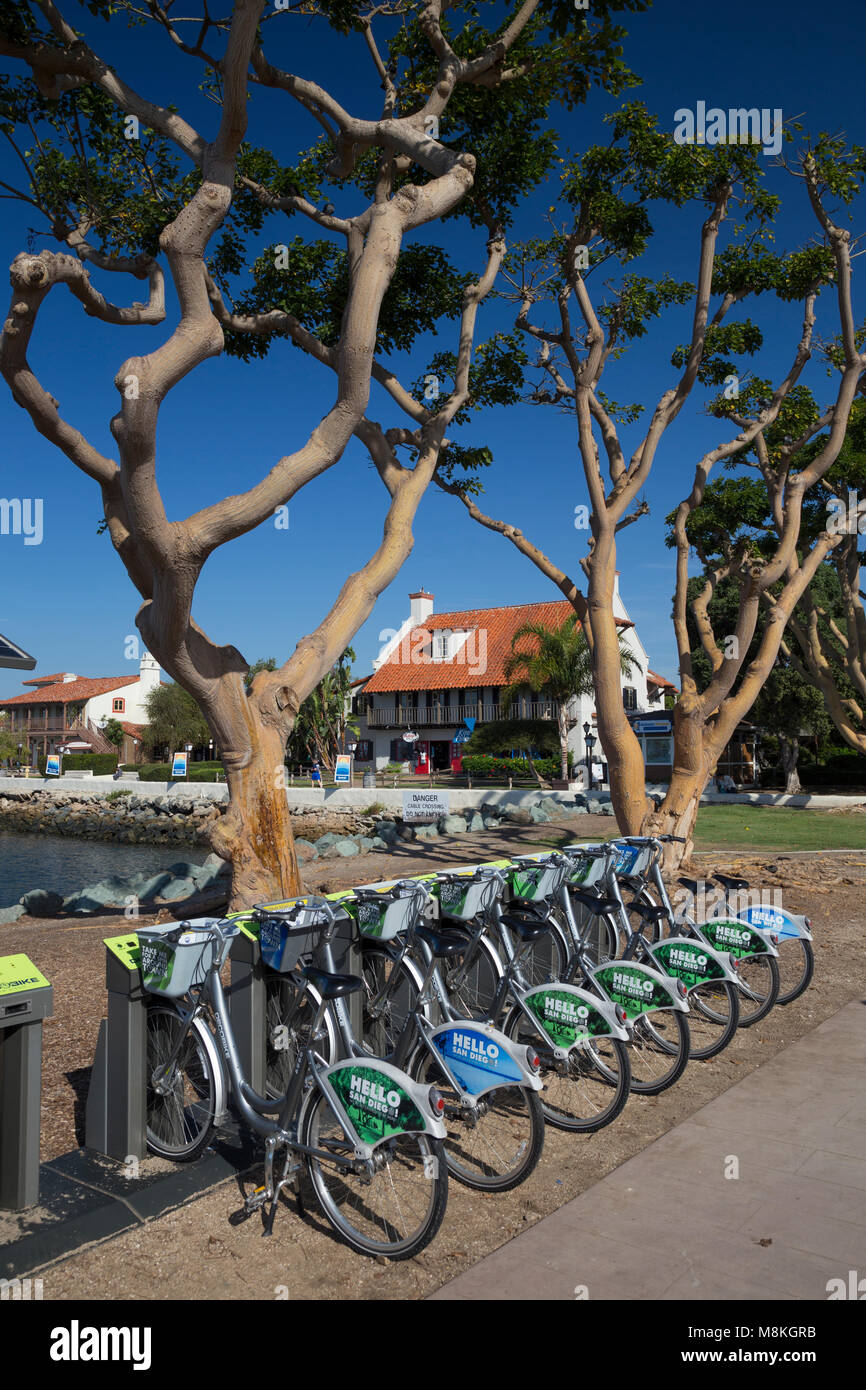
<point x="671" y="1224"/>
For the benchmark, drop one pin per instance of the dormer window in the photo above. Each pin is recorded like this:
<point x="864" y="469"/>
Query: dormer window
<point x="441" y="646"/>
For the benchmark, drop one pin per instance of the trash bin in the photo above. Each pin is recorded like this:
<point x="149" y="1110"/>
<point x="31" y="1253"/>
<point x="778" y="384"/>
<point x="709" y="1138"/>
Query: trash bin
<point x="370" y="779"/>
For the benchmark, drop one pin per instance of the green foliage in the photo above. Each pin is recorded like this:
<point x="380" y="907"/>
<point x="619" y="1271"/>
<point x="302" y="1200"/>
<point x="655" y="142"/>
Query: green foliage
<point x="196" y="772"/>
<point x="100" y="764"/>
<point x="500" y="736"/>
<point x="173" y="719"/>
<point x="113" y="731"/>
<point x="323" y="722"/>
<point x="500" y="768"/>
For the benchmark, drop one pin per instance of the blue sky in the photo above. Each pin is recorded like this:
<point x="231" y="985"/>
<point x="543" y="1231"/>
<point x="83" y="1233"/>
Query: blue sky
<point x="69" y="600"/>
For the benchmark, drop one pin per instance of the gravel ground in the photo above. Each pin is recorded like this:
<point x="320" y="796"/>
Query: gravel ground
<point x="194" y="1253"/>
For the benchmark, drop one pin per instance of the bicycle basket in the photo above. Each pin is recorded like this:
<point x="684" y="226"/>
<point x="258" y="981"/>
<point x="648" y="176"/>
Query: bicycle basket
<point x="288" y="931"/>
<point x="632" y="860"/>
<point x="179" y="955"/>
<point x="382" y="913"/>
<point x="529" y="878"/>
<point x="465" y="895"/>
<point x="586" y="870"/>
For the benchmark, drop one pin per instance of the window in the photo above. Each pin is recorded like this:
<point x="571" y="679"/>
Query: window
<point x="118" y="705"/>
<point x="441" y="645"/>
<point x="364" y="751"/>
<point x="629" y="697"/>
<point x="659" y="750"/>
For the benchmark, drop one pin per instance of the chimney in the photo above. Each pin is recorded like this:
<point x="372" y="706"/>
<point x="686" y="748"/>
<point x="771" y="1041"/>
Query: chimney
<point x="421" y="607"/>
<point x="148" y="672"/>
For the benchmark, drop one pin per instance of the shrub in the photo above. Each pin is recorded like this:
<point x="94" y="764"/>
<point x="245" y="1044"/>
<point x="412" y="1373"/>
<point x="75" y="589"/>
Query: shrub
<point x="478" y="765"/>
<point x="100" y="764"/>
<point x="198" y="772"/>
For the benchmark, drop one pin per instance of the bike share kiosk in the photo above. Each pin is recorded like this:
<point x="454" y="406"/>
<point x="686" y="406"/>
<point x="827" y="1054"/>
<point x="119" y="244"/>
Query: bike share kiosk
<point x="115" y="1116"/>
<point x="26" y="998"/>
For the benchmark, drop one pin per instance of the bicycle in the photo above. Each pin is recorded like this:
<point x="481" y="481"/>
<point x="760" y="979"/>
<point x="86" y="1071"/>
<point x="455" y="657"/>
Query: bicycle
<point x="577" y="1037"/>
<point x="754" y="951"/>
<point x="493" y="1114"/>
<point x="367" y="1135"/>
<point x="796" y="964"/>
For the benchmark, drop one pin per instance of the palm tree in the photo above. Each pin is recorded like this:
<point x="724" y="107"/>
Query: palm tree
<point x="557" y="665"/>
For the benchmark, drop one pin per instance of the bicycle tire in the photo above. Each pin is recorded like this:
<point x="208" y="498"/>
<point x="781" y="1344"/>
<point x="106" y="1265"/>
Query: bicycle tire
<point x="650" y="931"/>
<point x="761" y="974"/>
<point x="380" y="966"/>
<point x="180" y="1123"/>
<point x="662" y="1035"/>
<point x="606" y="945"/>
<point x="714" y="1018"/>
<point x="281" y="994"/>
<point x="473" y="996"/>
<point x="544" y="960"/>
<point x="592" y="1090"/>
<point x="477" y="1152"/>
<point x="348" y="1200"/>
<point x="802" y="977"/>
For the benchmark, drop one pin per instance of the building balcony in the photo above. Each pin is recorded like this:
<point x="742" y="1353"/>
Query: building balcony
<point x="451" y="716"/>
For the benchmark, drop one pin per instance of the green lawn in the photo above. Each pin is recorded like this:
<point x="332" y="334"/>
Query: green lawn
<point x="761" y="827"/>
<point x="778" y="827"/>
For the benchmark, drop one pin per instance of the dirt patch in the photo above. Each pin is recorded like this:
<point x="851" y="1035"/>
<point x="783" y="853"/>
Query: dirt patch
<point x="194" y="1253"/>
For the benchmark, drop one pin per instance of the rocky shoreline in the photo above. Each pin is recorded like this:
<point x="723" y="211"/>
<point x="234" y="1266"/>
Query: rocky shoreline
<point x="319" y="834"/>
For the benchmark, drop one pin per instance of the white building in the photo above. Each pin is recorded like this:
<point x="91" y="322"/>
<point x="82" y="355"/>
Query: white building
<point x="65" y="709"/>
<point x="439" y="675"/>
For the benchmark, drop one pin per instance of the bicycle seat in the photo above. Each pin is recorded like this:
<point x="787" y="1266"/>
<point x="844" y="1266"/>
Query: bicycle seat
<point x="537" y="908"/>
<point x="442" y="943"/>
<point x="650" y="912"/>
<point x="735" y="885"/>
<point x="332" y="986"/>
<point x="526" y="930"/>
<point x="594" y="903"/>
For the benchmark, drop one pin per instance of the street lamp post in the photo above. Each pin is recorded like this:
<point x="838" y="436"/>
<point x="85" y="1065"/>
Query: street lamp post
<point x="589" y="741"/>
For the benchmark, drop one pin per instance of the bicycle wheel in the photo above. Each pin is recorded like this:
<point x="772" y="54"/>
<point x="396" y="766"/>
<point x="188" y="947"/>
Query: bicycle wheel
<point x="545" y="959"/>
<point x="651" y="931"/>
<point x="714" y="1017"/>
<point x="472" y="978"/>
<point x="586" y="1091"/>
<point x="658" y="1051"/>
<point x="289" y="1016"/>
<point x="179" y="1121"/>
<point x="796" y="966"/>
<point x="760" y="975"/>
<point x="386" y="1013"/>
<point x="599" y="938"/>
<point x="396" y="1209"/>
<point x="495" y="1147"/>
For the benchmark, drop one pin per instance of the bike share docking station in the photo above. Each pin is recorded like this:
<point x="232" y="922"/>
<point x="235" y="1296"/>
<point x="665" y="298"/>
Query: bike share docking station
<point x="26" y="999"/>
<point x="115" y="1121"/>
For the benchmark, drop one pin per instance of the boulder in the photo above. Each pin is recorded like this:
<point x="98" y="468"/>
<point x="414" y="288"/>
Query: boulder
<point x="538" y="815"/>
<point x="593" y="806"/>
<point x="575" y="810"/>
<point x="11" y="914"/>
<point x="305" y="851"/>
<point x="606" y="808"/>
<point x="42" y="902"/>
<point x="405" y="832"/>
<point x="178" y="888"/>
<point x="552" y="807"/>
<point x="517" y="815"/>
<point x="380" y="844"/>
<point x="182" y="869"/>
<point x="346" y="848"/>
<point x="452" y="825"/>
<point x="386" y="830"/>
<point x="427" y="832"/>
<point x="325" y="841"/>
<point x="477" y="822"/>
<point x="492" y="822"/>
<point x="153" y="886"/>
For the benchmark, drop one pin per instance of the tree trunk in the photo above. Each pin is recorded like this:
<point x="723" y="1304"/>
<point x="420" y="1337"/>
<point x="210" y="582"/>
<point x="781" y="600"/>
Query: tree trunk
<point x="789" y="750"/>
<point x="679" y="810"/>
<point x="537" y="775"/>
<point x="563" y="743"/>
<point x="255" y="835"/>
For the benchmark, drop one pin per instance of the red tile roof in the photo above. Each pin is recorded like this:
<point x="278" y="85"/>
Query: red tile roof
<point x="134" y="730"/>
<point x="660" y="681"/>
<point x="71" y="691"/>
<point x="44" y="680"/>
<point x="480" y="660"/>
